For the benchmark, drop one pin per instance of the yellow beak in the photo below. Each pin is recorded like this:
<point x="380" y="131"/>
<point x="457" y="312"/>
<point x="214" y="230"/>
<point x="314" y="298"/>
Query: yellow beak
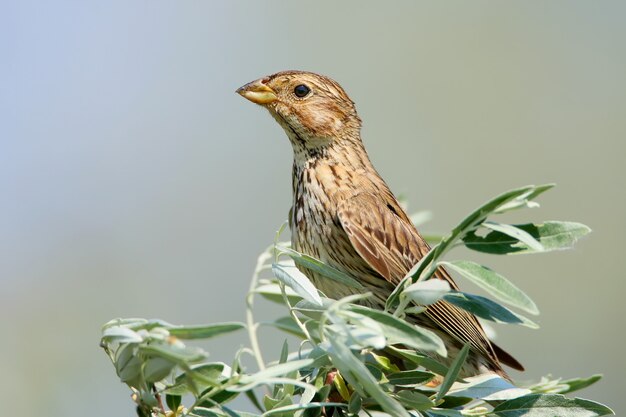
<point x="257" y="92"/>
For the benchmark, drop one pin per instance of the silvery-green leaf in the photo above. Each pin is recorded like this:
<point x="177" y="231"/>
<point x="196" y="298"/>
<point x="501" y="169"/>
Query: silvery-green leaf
<point x="441" y="412"/>
<point x="289" y="409"/>
<point x="249" y="384"/>
<point x="524" y="200"/>
<point x="494" y="283"/>
<point x="216" y="412"/>
<point x="128" y="365"/>
<point x="363" y="337"/>
<point x="320" y="267"/>
<point x="421" y="217"/>
<point x="427" y="265"/>
<point x="427" y="292"/>
<point x="399" y="331"/>
<point x="357" y="330"/>
<point x="489" y="387"/>
<point x="271" y="291"/>
<point x="297" y="281"/>
<point x="185" y="354"/>
<point x="205" y="331"/>
<point x="121" y="335"/>
<point x="275" y="371"/>
<point x="119" y="322"/>
<point x="157" y="368"/>
<point x="287" y="324"/>
<point x="308" y="394"/>
<point x="202" y="376"/>
<point x="553" y="235"/>
<point x="207" y="412"/>
<point x="550" y="405"/>
<point x="516" y="233"/>
<point x="576" y="384"/>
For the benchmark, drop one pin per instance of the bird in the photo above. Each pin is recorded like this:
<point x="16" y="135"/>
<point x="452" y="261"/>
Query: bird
<point x="344" y="214"/>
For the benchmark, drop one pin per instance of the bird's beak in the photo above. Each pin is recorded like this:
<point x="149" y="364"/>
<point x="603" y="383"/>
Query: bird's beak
<point x="257" y="92"/>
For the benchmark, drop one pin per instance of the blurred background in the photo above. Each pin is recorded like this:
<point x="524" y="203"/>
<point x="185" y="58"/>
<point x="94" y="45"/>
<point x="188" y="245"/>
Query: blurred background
<point x="135" y="182"/>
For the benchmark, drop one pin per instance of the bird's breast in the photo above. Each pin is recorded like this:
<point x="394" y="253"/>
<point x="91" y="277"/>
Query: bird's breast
<point x="316" y="231"/>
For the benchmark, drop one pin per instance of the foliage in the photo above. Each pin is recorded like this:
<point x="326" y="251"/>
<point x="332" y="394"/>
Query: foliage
<point x="354" y="360"/>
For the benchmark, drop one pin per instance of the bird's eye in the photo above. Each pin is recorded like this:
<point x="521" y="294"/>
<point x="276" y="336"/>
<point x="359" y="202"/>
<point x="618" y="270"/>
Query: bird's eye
<point x="301" y="90"/>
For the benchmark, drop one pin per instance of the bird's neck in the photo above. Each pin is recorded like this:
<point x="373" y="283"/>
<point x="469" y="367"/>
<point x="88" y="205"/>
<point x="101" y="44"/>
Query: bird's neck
<point x="348" y="153"/>
<point x="333" y="170"/>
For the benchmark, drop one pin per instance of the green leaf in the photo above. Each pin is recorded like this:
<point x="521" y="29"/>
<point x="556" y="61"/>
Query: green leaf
<point x="550" y="405"/>
<point x="453" y="372"/>
<point x="321" y="268"/>
<point x="207" y="412"/>
<point x="149" y="324"/>
<point x="174" y="353"/>
<point x="128" y="365"/>
<point x="220" y="397"/>
<point x="421" y="360"/>
<point x="363" y="331"/>
<point x="275" y="403"/>
<point x="289" y="409"/>
<point x="553" y="235"/>
<point x="427" y="292"/>
<point x="157" y="368"/>
<point x="516" y="233"/>
<point x="284" y="352"/>
<point x="398" y="331"/>
<point x="216" y="412"/>
<point x="579" y="383"/>
<point x="173" y="401"/>
<point x="414" y="400"/>
<point x="120" y="335"/>
<point x="200" y="377"/>
<point x="119" y="322"/>
<point x="382" y="362"/>
<point x="524" y="200"/>
<point x="487" y="309"/>
<point x="269" y="381"/>
<point x="205" y="331"/>
<point x="357" y="374"/>
<point x="288" y="325"/>
<point x="354" y="406"/>
<point x="409" y="378"/>
<point x="272" y="292"/>
<point x="494" y="283"/>
<point x="297" y="281"/>
<point x="437" y="412"/>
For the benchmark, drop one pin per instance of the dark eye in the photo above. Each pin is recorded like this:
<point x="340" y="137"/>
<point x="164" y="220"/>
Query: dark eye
<point x="301" y="90"/>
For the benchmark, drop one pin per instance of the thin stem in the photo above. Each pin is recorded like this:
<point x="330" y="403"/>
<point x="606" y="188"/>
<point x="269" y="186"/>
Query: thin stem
<point x="276" y="251"/>
<point x="251" y="325"/>
<point x="293" y="314"/>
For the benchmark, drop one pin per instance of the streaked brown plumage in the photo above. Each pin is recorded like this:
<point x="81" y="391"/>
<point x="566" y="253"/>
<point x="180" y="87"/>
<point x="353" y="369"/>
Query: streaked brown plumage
<point x="344" y="214"/>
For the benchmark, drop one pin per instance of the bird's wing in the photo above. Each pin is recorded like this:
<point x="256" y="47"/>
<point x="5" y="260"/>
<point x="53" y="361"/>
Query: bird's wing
<point x="384" y="237"/>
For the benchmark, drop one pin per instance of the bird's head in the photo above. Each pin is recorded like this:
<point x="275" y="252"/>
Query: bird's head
<point x="313" y="109"/>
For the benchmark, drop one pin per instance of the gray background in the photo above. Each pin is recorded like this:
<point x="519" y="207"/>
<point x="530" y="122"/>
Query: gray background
<point x="135" y="182"/>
